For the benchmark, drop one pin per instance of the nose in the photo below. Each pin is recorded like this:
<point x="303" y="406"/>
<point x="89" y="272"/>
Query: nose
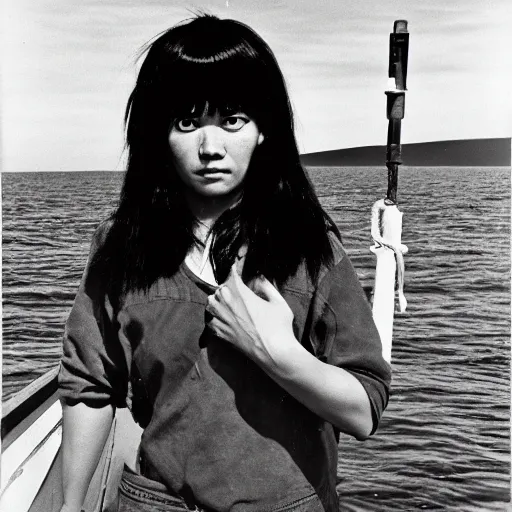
<point x="212" y="145"/>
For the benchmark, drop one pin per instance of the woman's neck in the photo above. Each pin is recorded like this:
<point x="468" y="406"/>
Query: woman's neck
<point x="208" y="209"/>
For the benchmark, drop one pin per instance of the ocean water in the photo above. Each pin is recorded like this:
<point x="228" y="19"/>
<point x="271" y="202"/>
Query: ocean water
<point x="444" y="441"/>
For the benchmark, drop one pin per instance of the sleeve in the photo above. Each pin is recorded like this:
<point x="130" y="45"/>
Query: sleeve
<point x="94" y="364"/>
<point x="344" y="334"/>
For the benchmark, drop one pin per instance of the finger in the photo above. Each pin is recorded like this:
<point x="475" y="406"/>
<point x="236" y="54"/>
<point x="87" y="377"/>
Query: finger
<point x="262" y="287"/>
<point x="223" y="294"/>
<point x="218" y="293"/>
<point x="218" y="328"/>
<point x="213" y="306"/>
<point x="234" y="281"/>
<point x="214" y="326"/>
<point x="210" y="305"/>
<point x="234" y="275"/>
<point x="218" y="308"/>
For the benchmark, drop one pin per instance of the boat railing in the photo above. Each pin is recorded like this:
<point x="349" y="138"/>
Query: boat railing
<point x="31" y="467"/>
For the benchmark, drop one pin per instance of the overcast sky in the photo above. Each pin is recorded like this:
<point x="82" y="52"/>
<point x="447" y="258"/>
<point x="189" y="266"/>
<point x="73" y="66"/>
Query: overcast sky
<point x="68" y="67"/>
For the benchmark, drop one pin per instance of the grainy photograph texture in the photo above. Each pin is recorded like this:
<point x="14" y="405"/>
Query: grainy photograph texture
<point x="203" y="241"/>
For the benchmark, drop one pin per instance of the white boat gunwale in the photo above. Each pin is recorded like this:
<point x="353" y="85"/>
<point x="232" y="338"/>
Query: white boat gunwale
<point x="25" y="407"/>
<point x="36" y="404"/>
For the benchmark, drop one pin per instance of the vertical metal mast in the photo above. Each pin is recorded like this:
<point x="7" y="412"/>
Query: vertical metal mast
<point x="398" y="52"/>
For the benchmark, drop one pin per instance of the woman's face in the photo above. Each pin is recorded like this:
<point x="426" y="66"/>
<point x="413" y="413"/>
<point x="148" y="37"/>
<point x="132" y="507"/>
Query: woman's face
<point x="212" y="151"/>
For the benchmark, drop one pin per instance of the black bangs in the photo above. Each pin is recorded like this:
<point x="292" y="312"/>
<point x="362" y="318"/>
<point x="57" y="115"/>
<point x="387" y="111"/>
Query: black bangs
<point x="219" y="63"/>
<point x="209" y="107"/>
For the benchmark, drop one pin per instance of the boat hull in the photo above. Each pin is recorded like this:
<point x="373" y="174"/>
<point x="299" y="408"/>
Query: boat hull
<point x="32" y="459"/>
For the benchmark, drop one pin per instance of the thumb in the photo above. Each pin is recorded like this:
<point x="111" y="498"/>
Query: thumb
<point x="262" y="287"/>
<point x="234" y="277"/>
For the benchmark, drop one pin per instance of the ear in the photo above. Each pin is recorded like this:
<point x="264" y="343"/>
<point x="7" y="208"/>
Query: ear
<point x="261" y="138"/>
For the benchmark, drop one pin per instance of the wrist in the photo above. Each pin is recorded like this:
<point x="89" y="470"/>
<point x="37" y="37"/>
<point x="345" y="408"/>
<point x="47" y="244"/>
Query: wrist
<point x="285" y="359"/>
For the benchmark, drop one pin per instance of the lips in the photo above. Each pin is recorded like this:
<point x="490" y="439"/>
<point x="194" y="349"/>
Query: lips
<point x="212" y="170"/>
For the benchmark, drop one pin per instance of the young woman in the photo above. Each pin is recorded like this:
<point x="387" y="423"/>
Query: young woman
<point x="218" y="300"/>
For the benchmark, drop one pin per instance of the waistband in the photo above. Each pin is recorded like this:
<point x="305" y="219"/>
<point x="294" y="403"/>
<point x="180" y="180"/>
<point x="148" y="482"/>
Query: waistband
<point x="149" y="493"/>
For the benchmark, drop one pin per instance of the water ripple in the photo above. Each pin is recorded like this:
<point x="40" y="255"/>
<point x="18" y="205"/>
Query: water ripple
<point x="444" y="441"/>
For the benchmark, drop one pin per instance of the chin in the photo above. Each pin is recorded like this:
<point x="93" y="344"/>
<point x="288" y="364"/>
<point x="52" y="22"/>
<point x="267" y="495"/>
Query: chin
<point x="217" y="190"/>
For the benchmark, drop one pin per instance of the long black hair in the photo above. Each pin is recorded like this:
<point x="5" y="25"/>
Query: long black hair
<point x="217" y="64"/>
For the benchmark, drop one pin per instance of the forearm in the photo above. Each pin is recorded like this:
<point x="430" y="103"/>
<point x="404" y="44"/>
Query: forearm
<point x="330" y="392"/>
<point x="259" y="323"/>
<point x="85" y="430"/>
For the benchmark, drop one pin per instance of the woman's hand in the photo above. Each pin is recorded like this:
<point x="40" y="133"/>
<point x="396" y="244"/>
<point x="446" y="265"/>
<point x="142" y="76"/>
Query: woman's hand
<point x="256" y="320"/>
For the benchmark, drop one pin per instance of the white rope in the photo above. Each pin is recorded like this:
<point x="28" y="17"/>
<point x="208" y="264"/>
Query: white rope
<point x="386" y="232"/>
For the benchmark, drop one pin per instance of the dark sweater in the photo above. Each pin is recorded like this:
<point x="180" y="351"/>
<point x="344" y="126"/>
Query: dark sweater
<point x="217" y="428"/>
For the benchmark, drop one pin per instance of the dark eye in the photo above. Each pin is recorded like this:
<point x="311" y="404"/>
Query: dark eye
<point x="186" y="124"/>
<point x="234" y="123"/>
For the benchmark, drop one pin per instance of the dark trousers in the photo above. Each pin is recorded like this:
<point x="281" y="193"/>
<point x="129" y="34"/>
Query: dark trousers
<point x="140" y="494"/>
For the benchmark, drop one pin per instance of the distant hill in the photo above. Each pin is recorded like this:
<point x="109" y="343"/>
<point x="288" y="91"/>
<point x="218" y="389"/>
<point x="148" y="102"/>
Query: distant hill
<point x="474" y="152"/>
